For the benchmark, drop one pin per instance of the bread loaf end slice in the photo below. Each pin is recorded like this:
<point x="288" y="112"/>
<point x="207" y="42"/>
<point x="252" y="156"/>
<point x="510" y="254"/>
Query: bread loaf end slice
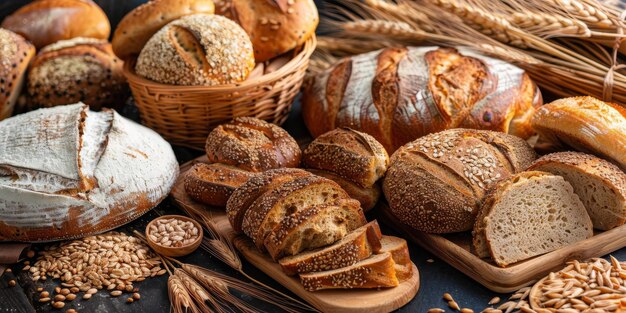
<point x="357" y="245"/>
<point x="400" y="253"/>
<point x="213" y="184"/>
<point x="367" y="196"/>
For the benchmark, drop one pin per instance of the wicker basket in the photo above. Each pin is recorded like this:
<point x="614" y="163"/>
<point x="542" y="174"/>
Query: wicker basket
<point x="184" y="115"/>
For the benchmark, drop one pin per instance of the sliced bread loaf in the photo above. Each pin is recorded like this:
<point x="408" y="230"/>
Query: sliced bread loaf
<point x="400" y="253"/>
<point x="377" y="271"/>
<point x="532" y="213"/>
<point x="356" y="246"/>
<point x="601" y="185"/>
<point x="367" y="196"/>
<point x="293" y="196"/>
<point x="213" y="184"/>
<point x="314" y="227"/>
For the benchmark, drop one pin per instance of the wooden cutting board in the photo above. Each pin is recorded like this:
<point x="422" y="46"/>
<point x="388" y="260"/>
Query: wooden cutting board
<point x="455" y="249"/>
<point x="336" y="301"/>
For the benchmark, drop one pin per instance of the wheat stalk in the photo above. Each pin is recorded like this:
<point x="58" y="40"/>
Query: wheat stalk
<point x="181" y="301"/>
<point x="585" y="12"/>
<point x="548" y="25"/>
<point x="402" y="12"/>
<point x="198" y="293"/>
<point x="394" y="29"/>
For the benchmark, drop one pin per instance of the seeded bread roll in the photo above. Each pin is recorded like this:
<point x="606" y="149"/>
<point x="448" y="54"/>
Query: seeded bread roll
<point x="367" y="196"/>
<point x="223" y="8"/>
<point x="599" y="184"/>
<point x="356" y="246"/>
<point x="400" y="253"/>
<point x="585" y="124"/>
<point x="79" y="69"/>
<point x="252" y="144"/>
<point x="136" y="28"/>
<point x="351" y="154"/>
<point x="377" y="271"/>
<point x="275" y="26"/>
<point x="213" y="184"/>
<point x="243" y="197"/>
<point x="44" y="22"/>
<point x="15" y="55"/>
<point x="437" y="183"/>
<point x="198" y="49"/>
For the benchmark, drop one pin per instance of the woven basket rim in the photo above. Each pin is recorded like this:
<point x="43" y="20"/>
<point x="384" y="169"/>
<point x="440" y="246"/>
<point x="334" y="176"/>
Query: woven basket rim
<point x="303" y="56"/>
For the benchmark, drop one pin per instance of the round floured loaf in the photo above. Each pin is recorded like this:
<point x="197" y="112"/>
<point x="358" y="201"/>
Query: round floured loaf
<point x="15" y="55"/>
<point x="68" y="172"/>
<point x="437" y="183"/>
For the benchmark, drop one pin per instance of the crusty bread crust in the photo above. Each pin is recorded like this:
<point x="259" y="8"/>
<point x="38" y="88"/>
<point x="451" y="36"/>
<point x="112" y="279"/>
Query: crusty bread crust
<point x="367" y="196"/>
<point x="399" y="250"/>
<point x="213" y="184"/>
<point x="15" y="55"/>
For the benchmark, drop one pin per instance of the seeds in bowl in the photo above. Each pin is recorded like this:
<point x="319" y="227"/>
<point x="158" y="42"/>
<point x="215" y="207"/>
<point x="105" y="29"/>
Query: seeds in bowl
<point x="173" y="232"/>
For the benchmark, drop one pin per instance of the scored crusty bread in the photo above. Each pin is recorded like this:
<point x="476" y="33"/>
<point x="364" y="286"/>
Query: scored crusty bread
<point x="243" y="197"/>
<point x="377" y="271"/>
<point x="436" y="183"/>
<point x="357" y="245"/>
<point x="400" y="253"/>
<point x="314" y="227"/>
<point x="15" y="55"/>
<point x="348" y="153"/>
<point x="290" y="197"/>
<point x="532" y="213"/>
<point x="599" y="184"/>
<point x="367" y="196"/>
<point x="213" y="184"/>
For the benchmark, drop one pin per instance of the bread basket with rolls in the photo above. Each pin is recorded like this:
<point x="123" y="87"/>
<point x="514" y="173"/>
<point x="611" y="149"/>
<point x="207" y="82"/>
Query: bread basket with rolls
<point x="190" y="71"/>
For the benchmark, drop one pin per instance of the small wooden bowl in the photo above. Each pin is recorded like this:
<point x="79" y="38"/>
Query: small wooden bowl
<point x="175" y="251"/>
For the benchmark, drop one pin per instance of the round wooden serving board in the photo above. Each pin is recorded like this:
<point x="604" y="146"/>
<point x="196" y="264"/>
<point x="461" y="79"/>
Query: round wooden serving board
<point x="336" y="301"/>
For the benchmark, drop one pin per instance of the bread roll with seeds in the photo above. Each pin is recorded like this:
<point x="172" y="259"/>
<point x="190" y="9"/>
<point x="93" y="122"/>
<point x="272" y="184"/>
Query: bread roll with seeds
<point x="367" y="196"/>
<point x="437" y="183"/>
<point x="377" y="271"/>
<point x="252" y="144"/>
<point x="356" y="246"/>
<point x="79" y="69"/>
<point x="138" y="26"/>
<point x="585" y="124"/>
<point x="199" y="49"/>
<point x="44" y="22"/>
<point x="351" y="154"/>
<point x="223" y="8"/>
<point x="213" y="184"/>
<point x="15" y="55"/>
<point x="314" y="227"/>
<point x="275" y="26"/>
<point x="243" y="197"/>
<point x="399" y="251"/>
<point x="599" y="184"/>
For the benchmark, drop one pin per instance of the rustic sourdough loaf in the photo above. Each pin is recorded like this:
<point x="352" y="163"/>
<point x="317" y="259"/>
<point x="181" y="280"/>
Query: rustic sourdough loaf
<point x="15" y="55"/>
<point x="530" y="214"/>
<point x="245" y="195"/>
<point x="585" y="124"/>
<point x="44" y="22"/>
<point x="376" y="93"/>
<point x="367" y="196"/>
<point x="269" y="209"/>
<point x="136" y="28"/>
<point x="213" y="184"/>
<point x="399" y="251"/>
<point x="252" y="144"/>
<point x="199" y="49"/>
<point x="357" y="245"/>
<point x="377" y="271"/>
<point x="314" y="227"/>
<point x="436" y="183"/>
<point x="351" y="154"/>
<point x="599" y="184"/>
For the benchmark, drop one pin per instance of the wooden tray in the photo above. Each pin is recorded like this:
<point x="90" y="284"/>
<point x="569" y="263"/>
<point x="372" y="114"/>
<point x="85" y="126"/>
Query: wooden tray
<point x="336" y="301"/>
<point x="454" y="249"/>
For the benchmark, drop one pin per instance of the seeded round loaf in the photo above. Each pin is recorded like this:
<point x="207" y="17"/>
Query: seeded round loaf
<point x="136" y="28"/>
<point x="351" y="154"/>
<point x="223" y="8"/>
<point x="47" y="21"/>
<point x="437" y="183"/>
<point x="15" y="55"/>
<point x="198" y="49"/>
<point x="276" y="26"/>
<point x="79" y="69"/>
<point x="252" y="144"/>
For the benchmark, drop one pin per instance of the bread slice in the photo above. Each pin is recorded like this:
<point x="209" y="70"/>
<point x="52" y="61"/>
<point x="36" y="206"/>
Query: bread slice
<point x="243" y="197"/>
<point x="213" y="184"/>
<point x="367" y="196"/>
<point x="270" y="208"/>
<point x="532" y="213"/>
<point x="357" y="245"/>
<point x="599" y="184"/>
<point x="377" y="271"/>
<point x="400" y="253"/>
<point x="314" y="227"/>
